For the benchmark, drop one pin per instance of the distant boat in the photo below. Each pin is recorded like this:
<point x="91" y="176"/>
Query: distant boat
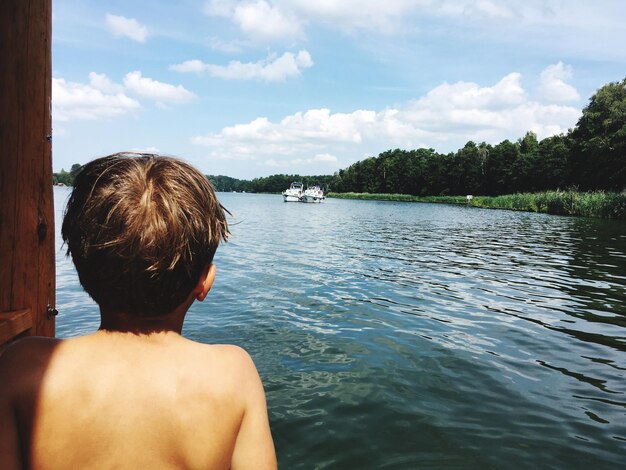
<point x="294" y="193"/>
<point x="313" y="194"/>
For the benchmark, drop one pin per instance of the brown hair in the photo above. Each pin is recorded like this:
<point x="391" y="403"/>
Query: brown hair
<point x="140" y="229"/>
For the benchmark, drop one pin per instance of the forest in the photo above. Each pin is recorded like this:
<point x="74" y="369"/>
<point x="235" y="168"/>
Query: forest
<point x="268" y="184"/>
<point x="66" y="177"/>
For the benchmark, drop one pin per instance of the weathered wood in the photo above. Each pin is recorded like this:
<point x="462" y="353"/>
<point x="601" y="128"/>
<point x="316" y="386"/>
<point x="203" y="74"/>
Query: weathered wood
<point x="26" y="205"/>
<point x="13" y="324"/>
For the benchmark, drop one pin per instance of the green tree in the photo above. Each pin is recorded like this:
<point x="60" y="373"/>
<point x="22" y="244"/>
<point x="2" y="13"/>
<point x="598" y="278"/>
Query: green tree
<point x="435" y="180"/>
<point x="599" y="141"/>
<point x="65" y="177"/>
<point x="500" y="163"/>
<point x="466" y="171"/>
<point x="526" y="164"/>
<point x="551" y="171"/>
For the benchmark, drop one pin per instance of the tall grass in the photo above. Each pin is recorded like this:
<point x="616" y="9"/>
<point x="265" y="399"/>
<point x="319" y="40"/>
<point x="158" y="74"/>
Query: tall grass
<point x="591" y="204"/>
<point x="400" y="197"/>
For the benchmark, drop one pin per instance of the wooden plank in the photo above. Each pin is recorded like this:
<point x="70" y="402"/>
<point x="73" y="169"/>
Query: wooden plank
<point x="11" y="39"/>
<point x="41" y="36"/>
<point x="26" y="205"/>
<point x="14" y="323"/>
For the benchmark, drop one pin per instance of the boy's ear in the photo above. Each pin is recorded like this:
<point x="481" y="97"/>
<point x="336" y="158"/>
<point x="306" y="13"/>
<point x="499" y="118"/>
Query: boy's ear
<point x="205" y="282"/>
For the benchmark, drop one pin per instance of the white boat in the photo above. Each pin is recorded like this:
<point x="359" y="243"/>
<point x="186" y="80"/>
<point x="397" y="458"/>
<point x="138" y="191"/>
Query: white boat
<point x="313" y="194"/>
<point x="294" y="193"/>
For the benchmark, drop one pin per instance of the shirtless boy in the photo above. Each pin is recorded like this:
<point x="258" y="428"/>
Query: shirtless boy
<point x="142" y="231"/>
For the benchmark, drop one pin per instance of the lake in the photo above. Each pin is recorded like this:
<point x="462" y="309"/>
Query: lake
<point x="405" y="335"/>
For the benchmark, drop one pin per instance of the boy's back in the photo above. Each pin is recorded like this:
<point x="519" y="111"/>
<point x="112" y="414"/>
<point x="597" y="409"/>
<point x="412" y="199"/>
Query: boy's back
<point x="120" y="400"/>
<point x="142" y="231"/>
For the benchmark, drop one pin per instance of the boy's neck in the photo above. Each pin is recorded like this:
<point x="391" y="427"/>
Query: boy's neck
<point x="126" y="323"/>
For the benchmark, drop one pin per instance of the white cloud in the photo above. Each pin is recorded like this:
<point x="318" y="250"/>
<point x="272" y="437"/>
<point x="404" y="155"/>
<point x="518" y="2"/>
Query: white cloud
<point x="126" y="27"/>
<point x="259" y="19"/>
<point x="271" y="69"/>
<point x="71" y="100"/>
<point x="287" y="19"/>
<point x="101" y="98"/>
<point x="104" y="84"/>
<point x="552" y="84"/>
<point x="384" y="16"/>
<point x="188" y="66"/>
<point x="263" y="20"/>
<point x="445" y="118"/>
<point x="155" y="90"/>
<point x="454" y="114"/>
<point x="304" y="129"/>
<point x="463" y="95"/>
<point x="576" y="28"/>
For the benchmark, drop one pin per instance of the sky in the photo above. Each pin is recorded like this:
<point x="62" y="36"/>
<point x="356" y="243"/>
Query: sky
<point x="253" y="88"/>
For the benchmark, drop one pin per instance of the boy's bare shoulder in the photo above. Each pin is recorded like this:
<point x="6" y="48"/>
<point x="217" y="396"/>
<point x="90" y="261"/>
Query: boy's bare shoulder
<point x="24" y="360"/>
<point x="228" y="353"/>
<point x="22" y="366"/>
<point x="231" y="361"/>
<point x="30" y="344"/>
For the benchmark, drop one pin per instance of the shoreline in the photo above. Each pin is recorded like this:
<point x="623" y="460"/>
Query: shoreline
<point x="596" y="204"/>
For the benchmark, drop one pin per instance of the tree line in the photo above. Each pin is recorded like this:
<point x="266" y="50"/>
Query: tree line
<point x="66" y="177"/>
<point x="268" y="184"/>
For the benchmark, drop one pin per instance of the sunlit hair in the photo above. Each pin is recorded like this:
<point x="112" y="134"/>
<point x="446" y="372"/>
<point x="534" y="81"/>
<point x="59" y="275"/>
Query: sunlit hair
<point x="140" y="229"/>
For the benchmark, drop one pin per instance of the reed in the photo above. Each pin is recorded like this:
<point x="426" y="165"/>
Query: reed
<point x="598" y="204"/>
<point x="586" y="204"/>
<point x="400" y="197"/>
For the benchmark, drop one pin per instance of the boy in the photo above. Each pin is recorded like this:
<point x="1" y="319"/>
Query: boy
<point x="142" y="231"/>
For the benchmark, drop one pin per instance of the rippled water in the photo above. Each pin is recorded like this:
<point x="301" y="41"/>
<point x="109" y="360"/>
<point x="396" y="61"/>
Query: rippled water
<point x="398" y="335"/>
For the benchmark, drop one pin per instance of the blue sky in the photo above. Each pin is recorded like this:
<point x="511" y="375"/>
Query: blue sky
<point x="258" y="87"/>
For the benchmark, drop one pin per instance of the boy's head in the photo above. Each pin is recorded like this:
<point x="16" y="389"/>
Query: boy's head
<point x="141" y="229"/>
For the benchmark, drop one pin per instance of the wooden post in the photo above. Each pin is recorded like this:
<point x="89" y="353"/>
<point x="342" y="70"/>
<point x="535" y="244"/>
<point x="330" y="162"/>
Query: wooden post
<point x="26" y="206"/>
